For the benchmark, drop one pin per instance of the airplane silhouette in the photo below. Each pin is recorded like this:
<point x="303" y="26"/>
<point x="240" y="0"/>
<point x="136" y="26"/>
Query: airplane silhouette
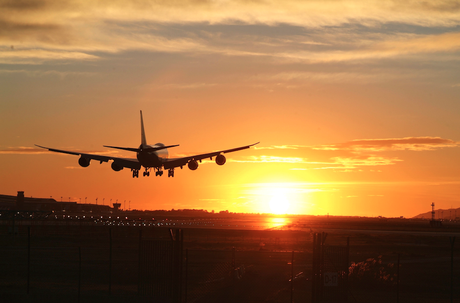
<point x="150" y="156"/>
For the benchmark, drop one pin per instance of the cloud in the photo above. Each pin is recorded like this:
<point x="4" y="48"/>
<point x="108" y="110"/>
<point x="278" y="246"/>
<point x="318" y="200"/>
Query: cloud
<point x="305" y="13"/>
<point x="336" y="163"/>
<point x="273" y="147"/>
<point x="23" y="150"/>
<point x="350" y="156"/>
<point x="271" y="159"/>
<point x="354" y="162"/>
<point x="76" y="30"/>
<point x="376" y="145"/>
<point x="38" y="73"/>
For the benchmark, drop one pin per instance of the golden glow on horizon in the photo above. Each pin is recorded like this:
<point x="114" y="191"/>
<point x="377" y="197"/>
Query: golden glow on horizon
<point x="277" y="222"/>
<point x="281" y="197"/>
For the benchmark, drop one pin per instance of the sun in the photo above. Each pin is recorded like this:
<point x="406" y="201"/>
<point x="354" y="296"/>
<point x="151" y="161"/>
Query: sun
<point x="279" y="204"/>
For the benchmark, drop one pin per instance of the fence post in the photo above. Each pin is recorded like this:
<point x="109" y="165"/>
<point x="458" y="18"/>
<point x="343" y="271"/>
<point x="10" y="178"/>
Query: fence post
<point x="452" y="241"/>
<point x="79" y="273"/>
<point x="347" y="271"/>
<point x="292" y="277"/>
<point x="110" y="262"/>
<point x="233" y="264"/>
<point x="186" y="274"/>
<point x="397" y="280"/>
<point x="139" y="264"/>
<point x="181" y="259"/>
<point x="28" y="257"/>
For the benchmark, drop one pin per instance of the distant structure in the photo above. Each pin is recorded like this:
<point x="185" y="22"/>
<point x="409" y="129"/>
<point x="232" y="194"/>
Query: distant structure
<point x="21" y="203"/>
<point x="20" y="200"/>
<point x="116" y="206"/>
<point x="434" y="222"/>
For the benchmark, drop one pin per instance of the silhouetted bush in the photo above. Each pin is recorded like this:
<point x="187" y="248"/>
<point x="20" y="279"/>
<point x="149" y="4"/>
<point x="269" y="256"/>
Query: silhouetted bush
<point x="373" y="271"/>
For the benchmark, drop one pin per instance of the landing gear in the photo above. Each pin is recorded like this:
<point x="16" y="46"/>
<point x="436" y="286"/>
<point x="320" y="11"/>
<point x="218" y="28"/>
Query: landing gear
<point x="135" y="173"/>
<point x="158" y="172"/>
<point x="171" y="172"/>
<point x="147" y="172"/>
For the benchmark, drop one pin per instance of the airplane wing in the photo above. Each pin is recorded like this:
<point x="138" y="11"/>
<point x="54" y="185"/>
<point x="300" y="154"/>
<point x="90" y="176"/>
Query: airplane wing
<point x="120" y="162"/>
<point x="177" y="162"/>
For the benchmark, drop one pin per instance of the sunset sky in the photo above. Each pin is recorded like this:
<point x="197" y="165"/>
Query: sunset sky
<point x="356" y="103"/>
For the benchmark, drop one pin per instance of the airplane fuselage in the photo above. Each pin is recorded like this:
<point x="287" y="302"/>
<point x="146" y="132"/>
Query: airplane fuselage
<point x="152" y="158"/>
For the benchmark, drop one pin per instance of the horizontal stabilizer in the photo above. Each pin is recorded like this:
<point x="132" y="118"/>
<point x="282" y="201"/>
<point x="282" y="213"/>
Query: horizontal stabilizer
<point x="124" y="148"/>
<point x="147" y="148"/>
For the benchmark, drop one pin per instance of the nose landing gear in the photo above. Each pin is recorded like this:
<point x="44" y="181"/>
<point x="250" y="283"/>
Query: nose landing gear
<point x="135" y="173"/>
<point x="171" y="172"/>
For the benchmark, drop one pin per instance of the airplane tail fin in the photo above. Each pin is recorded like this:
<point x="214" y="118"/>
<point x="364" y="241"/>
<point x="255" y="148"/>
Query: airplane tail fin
<point x="143" y="140"/>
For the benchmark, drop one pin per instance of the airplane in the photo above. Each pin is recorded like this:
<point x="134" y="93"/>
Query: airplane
<point x="150" y="156"/>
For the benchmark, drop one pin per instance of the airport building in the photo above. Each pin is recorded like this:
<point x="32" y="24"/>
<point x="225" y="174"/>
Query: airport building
<point x="22" y="203"/>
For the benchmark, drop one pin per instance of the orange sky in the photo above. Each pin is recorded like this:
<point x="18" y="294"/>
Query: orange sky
<point x="356" y="106"/>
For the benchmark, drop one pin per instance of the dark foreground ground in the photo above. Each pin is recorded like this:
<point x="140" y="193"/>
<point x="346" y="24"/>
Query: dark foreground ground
<point x="230" y="260"/>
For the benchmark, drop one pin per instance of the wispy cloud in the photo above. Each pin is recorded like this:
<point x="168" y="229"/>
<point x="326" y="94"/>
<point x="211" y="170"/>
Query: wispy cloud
<point x="23" y="150"/>
<point x="77" y="30"/>
<point x="408" y="143"/>
<point x="271" y="159"/>
<point x="354" y="162"/>
<point x="349" y="156"/>
<point x="273" y="147"/>
<point x="39" y="73"/>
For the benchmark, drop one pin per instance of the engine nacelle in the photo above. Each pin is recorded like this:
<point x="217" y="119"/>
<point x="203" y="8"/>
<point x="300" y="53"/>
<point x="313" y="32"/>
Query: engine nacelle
<point x="116" y="167"/>
<point x="84" y="162"/>
<point x="220" y="160"/>
<point x="192" y="164"/>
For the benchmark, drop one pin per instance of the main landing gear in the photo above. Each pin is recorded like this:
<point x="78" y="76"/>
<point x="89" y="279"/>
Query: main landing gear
<point x="158" y="172"/>
<point x="147" y="172"/>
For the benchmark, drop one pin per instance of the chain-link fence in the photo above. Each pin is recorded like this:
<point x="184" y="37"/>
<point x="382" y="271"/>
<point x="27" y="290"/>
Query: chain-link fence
<point x="123" y="264"/>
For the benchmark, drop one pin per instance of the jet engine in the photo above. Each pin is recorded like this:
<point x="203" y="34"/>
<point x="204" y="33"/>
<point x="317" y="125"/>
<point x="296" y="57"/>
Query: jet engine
<point x="116" y="167"/>
<point x="84" y="162"/>
<point x="220" y="159"/>
<point x="192" y="164"/>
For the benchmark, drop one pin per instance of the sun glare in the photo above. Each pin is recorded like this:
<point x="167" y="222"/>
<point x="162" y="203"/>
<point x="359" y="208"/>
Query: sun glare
<point x="280" y="198"/>
<point x="279" y="203"/>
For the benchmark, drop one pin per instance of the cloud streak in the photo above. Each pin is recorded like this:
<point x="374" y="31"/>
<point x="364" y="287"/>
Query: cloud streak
<point x="351" y="156"/>
<point x="376" y="145"/>
<point x="77" y="30"/>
